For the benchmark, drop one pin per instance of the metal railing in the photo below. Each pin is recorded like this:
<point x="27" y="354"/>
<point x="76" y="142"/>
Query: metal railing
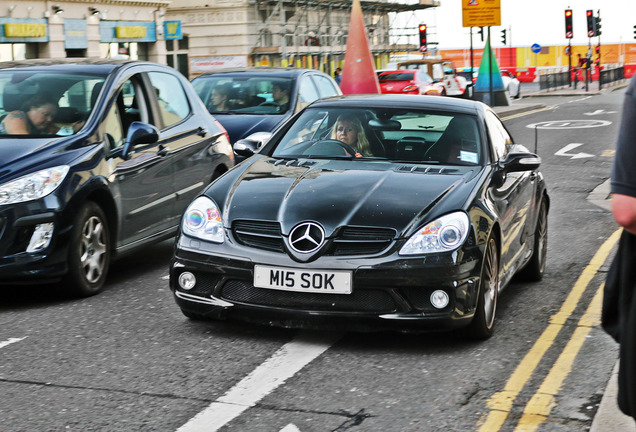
<point x="553" y="81"/>
<point x="612" y="75"/>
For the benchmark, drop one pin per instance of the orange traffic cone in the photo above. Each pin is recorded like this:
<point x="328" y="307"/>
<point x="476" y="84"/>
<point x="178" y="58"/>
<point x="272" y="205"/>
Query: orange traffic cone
<point x="358" y="73"/>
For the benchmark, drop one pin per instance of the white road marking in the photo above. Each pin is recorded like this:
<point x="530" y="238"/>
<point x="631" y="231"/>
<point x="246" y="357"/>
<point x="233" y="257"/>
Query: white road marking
<point x="167" y="277"/>
<point x="284" y="364"/>
<point x="290" y="428"/>
<point x="599" y="111"/>
<point x="10" y="341"/>
<point x="564" y="152"/>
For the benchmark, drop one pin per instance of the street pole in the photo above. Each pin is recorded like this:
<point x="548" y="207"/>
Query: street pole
<point x="569" y="62"/>
<point x="600" y="85"/>
<point x="490" y="92"/>
<point x="472" y="68"/>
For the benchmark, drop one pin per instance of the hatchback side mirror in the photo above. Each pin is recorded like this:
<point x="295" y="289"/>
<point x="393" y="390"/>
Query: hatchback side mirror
<point x="138" y="133"/>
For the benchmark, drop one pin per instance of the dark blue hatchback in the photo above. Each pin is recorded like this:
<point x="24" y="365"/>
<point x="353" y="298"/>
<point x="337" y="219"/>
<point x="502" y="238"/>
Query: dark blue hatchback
<point x="248" y="101"/>
<point x="107" y="164"/>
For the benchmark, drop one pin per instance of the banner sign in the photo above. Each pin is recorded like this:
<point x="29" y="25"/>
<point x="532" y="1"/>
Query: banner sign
<point x="127" y="31"/>
<point x="481" y="13"/>
<point x="75" y="34"/>
<point x="19" y="30"/>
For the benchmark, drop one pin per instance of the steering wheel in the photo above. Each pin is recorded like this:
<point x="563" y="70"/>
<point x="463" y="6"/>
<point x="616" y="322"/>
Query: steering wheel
<point x="330" y="143"/>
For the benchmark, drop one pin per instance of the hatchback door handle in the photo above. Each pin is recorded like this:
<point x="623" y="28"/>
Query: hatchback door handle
<point x="163" y="150"/>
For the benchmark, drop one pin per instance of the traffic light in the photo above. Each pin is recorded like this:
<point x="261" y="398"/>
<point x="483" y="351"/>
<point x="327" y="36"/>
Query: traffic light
<point x="634" y="32"/>
<point x="568" y="24"/>
<point x="481" y="33"/>
<point x="423" y="47"/>
<point x="503" y="36"/>
<point x="597" y="26"/>
<point x="589" y="14"/>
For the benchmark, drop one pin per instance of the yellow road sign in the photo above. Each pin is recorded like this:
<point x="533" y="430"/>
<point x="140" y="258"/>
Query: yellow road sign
<point x="481" y="13"/>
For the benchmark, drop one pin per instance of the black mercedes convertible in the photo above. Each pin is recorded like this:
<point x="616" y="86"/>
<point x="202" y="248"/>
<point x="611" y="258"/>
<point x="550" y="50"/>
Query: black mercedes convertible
<point x="418" y="226"/>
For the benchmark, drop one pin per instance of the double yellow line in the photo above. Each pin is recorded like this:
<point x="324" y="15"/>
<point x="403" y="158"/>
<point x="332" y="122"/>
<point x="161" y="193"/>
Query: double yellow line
<point x="540" y="405"/>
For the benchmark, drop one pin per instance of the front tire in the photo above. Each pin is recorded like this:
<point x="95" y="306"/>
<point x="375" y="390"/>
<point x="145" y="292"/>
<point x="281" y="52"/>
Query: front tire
<point x="89" y="252"/>
<point x="483" y="323"/>
<point x="533" y="271"/>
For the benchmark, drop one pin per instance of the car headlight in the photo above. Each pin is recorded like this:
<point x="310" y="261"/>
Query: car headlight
<point x="203" y="220"/>
<point x="442" y="235"/>
<point x="33" y="186"/>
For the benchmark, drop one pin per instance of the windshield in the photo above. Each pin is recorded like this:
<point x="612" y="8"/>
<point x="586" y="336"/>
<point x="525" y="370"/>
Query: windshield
<point x="244" y="95"/>
<point x="398" y="135"/>
<point x="396" y="76"/>
<point x="46" y="103"/>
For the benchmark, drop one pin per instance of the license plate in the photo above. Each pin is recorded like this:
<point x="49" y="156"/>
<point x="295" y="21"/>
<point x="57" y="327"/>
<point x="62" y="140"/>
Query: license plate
<point x="302" y="280"/>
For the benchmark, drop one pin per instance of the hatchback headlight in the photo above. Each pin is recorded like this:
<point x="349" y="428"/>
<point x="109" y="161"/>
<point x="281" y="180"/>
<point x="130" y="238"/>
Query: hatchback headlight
<point x="442" y="235"/>
<point x="33" y="186"/>
<point x="203" y="220"/>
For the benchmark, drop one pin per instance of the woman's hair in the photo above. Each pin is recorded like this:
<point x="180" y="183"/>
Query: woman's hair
<point x="363" y="146"/>
<point x="38" y="100"/>
<point x="222" y="89"/>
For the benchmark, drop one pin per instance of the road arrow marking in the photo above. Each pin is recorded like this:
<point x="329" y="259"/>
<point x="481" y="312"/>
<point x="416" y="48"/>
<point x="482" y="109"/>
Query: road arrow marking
<point x="564" y="152"/>
<point x="600" y="111"/>
<point x="10" y="341"/>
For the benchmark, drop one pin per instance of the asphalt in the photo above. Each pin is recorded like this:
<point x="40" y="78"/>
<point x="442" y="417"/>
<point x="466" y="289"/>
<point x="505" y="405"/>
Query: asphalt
<point x="608" y="417"/>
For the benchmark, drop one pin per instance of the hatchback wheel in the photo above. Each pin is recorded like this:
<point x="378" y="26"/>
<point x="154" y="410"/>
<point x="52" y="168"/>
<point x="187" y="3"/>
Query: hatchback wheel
<point x="482" y="325"/>
<point x="89" y="253"/>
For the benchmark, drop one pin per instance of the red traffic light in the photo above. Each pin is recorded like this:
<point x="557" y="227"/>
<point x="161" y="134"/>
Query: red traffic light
<point x="569" y="33"/>
<point x="587" y="13"/>
<point x="422" y="27"/>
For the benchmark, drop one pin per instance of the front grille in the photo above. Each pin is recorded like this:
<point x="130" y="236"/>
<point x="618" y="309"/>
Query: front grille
<point x="348" y="241"/>
<point x="376" y="301"/>
<point x="361" y="241"/>
<point x="259" y="234"/>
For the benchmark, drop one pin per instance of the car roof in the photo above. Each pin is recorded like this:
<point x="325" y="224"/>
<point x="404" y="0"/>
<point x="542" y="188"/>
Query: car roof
<point x="277" y="72"/>
<point x="404" y="101"/>
<point x="77" y="64"/>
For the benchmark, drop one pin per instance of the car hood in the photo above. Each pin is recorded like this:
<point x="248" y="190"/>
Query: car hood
<point x="19" y="156"/>
<point x="338" y="193"/>
<point x="240" y="126"/>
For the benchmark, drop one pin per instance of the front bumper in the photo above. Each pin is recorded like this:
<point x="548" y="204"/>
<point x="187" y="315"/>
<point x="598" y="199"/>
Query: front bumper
<point x="390" y="292"/>
<point x="17" y="226"/>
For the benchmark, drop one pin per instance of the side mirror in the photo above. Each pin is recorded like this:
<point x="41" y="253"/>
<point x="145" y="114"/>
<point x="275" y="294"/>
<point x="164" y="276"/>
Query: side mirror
<point x="138" y="133"/>
<point x="246" y="147"/>
<point x="520" y="161"/>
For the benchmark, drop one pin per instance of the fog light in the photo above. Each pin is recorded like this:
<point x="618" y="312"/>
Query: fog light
<point x="41" y="237"/>
<point x="439" y="299"/>
<point x="187" y="281"/>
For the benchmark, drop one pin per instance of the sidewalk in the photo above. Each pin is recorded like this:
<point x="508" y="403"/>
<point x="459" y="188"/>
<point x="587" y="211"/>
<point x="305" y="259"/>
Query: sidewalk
<point x="608" y="417"/>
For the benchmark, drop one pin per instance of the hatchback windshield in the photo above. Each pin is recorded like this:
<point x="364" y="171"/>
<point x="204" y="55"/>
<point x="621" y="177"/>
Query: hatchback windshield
<point x="385" y="134"/>
<point x="46" y="103"/>
<point x="244" y="95"/>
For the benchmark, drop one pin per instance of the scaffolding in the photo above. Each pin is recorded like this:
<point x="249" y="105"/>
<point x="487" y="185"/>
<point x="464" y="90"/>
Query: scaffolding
<point x="313" y="33"/>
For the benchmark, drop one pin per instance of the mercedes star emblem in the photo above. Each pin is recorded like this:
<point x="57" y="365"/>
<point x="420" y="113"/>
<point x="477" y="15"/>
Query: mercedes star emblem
<point x="306" y="237"/>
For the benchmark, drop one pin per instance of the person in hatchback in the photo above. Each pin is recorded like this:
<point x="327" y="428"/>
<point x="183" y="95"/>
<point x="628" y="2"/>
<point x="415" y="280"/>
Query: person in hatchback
<point x="35" y="118"/>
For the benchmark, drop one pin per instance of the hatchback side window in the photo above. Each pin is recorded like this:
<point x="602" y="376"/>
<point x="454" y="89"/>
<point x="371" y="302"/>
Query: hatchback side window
<point x="307" y="93"/>
<point x="172" y="99"/>
<point x="325" y="86"/>
<point x="112" y="127"/>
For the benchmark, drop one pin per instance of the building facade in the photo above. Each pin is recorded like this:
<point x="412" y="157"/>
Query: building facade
<point x="51" y="29"/>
